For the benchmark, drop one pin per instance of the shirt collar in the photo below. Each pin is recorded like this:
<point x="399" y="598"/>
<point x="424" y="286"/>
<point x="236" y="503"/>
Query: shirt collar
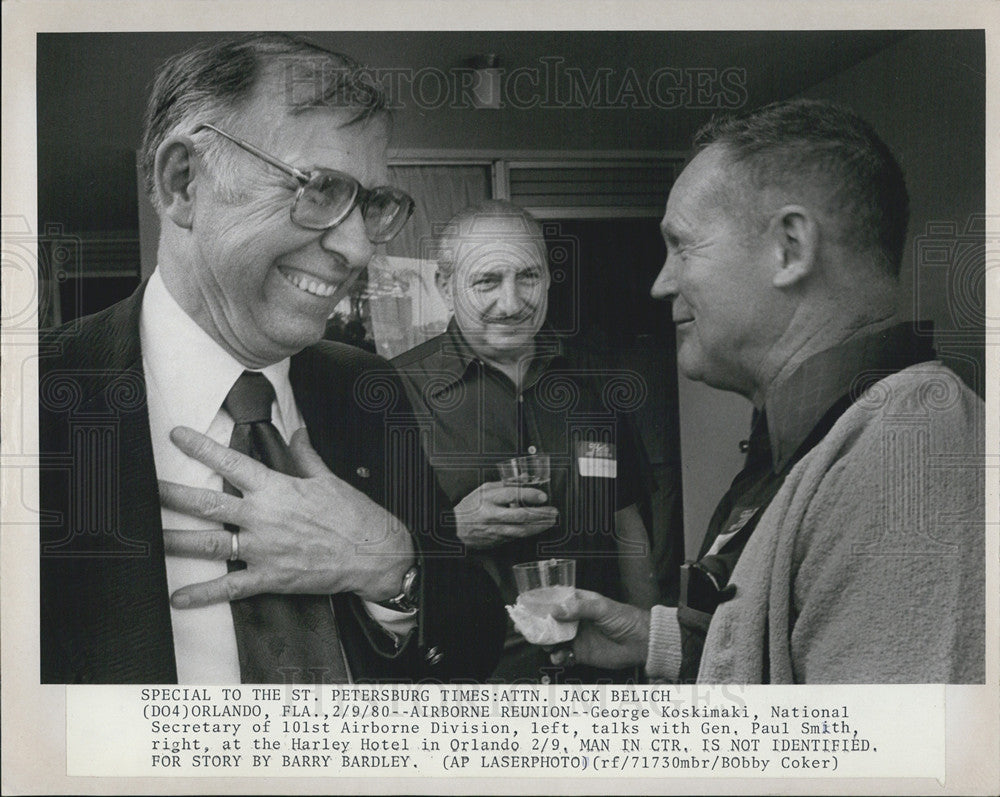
<point x="182" y="362"/>
<point x="796" y="405"/>
<point x="454" y="355"/>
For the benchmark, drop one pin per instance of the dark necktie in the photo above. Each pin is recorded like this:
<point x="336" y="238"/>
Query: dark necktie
<point x="280" y="638"/>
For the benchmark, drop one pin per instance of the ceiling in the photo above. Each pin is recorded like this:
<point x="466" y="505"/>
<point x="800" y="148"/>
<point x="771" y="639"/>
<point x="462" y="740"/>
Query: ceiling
<point x="653" y="89"/>
<point x="91" y="86"/>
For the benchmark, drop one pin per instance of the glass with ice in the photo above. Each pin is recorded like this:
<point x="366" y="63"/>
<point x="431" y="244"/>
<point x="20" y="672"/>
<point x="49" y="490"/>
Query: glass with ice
<point x="541" y="586"/>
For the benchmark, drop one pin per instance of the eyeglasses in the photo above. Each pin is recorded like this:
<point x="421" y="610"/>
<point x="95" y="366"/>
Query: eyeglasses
<point x="326" y="197"/>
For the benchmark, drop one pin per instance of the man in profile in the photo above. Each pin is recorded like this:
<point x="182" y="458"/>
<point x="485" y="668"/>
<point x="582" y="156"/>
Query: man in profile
<point x="498" y="384"/>
<point x="851" y="547"/>
<point x="265" y="158"/>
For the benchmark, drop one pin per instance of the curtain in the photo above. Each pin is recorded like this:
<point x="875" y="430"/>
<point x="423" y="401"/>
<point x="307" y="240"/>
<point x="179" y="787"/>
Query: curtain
<point x="403" y="304"/>
<point x="440" y="192"/>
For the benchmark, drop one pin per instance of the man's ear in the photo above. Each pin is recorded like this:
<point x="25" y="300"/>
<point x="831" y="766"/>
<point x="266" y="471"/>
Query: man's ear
<point x="443" y="283"/>
<point x="174" y="171"/>
<point x="796" y="234"/>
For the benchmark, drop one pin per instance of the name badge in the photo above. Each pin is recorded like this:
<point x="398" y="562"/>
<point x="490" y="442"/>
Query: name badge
<point x="597" y="460"/>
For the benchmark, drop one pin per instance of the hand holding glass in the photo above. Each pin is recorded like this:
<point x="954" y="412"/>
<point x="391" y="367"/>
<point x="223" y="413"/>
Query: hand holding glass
<point x="542" y="586"/>
<point x="528" y="471"/>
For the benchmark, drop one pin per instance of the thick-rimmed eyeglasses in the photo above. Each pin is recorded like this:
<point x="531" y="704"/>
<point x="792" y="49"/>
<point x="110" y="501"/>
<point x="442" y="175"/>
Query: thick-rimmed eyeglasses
<point x="326" y="197"/>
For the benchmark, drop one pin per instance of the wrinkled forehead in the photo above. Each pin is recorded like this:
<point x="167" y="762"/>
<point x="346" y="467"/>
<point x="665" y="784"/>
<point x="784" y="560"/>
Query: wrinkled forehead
<point x="707" y="187"/>
<point x="706" y="171"/>
<point x="495" y="253"/>
<point x="288" y="87"/>
<point x="269" y="120"/>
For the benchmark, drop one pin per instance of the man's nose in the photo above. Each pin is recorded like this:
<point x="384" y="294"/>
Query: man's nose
<point x="665" y="284"/>
<point x="350" y="240"/>
<point x="509" y="301"/>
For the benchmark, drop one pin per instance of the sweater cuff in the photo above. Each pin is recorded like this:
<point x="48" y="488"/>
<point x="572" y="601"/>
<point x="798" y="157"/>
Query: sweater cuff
<point x="663" y="659"/>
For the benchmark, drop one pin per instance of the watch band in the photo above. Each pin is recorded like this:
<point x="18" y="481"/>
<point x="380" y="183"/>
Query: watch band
<point x="407" y="599"/>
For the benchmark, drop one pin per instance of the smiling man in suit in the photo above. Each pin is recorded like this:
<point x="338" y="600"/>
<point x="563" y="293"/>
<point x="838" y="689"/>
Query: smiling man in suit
<point x="270" y="560"/>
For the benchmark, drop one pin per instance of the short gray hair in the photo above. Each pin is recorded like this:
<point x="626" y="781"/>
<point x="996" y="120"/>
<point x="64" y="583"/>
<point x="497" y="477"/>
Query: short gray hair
<point x="463" y="226"/>
<point x="818" y="144"/>
<point x="211" y="81"/>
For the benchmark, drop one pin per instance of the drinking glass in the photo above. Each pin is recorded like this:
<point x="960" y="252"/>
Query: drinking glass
<point x="528" y="471"/>
<point x="543" y="585"/>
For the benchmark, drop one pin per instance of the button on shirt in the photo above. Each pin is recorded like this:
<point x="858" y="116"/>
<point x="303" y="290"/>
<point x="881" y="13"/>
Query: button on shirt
<point x="187" y="378"/>
<point x="480" y="418"/>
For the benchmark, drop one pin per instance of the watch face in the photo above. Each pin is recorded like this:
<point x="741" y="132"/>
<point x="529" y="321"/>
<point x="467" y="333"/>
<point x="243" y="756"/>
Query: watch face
<point x="410" y="585"/>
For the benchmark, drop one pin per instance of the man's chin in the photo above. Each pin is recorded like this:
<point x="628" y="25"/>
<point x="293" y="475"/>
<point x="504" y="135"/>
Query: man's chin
<point x="508" y="343"/>
<point x="292" y="339"/>
<point x="690" y="366"/>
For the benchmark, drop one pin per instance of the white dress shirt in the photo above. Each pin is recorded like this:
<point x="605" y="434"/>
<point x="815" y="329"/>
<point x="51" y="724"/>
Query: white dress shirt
<point x="188" y="376"/>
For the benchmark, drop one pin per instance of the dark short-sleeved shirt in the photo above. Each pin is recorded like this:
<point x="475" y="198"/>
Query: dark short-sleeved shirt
<point x="571" y="408"/>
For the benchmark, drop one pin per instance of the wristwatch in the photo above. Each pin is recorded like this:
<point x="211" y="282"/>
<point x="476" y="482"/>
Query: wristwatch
<point x="407" y="599"/>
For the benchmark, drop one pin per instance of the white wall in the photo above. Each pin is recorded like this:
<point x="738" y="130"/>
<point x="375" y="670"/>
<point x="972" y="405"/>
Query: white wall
<point x="712" y="424"/>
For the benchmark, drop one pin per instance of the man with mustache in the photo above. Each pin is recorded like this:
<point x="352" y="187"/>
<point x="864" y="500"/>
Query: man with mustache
<point x="499" y="384"/>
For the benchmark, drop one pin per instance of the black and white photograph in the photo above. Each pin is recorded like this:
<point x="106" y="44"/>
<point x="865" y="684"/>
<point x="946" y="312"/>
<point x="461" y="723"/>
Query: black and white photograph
<point x="456" y="401"/>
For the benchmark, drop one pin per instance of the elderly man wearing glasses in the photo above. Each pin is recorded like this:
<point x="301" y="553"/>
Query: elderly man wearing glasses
<point x="192" y="530"/>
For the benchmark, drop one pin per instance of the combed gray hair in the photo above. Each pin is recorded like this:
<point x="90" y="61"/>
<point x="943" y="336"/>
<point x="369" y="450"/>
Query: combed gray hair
<point x="210" y="82"/>
<point x="464" y="226"/>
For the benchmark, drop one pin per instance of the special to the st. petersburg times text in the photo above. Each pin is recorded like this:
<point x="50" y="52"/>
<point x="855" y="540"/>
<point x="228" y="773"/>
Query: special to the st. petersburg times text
<point x="505" y="730"/>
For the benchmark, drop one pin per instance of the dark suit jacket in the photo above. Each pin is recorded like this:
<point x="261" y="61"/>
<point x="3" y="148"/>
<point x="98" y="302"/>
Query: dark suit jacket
<point x="105" y="616"/>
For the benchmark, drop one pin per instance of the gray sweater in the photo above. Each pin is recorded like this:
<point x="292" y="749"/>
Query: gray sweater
<point x="869" y="564"/>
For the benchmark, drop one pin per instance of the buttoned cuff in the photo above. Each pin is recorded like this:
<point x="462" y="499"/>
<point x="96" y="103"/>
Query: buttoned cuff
<point x="399" y="624"/>
<point x="663" y="658"/>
